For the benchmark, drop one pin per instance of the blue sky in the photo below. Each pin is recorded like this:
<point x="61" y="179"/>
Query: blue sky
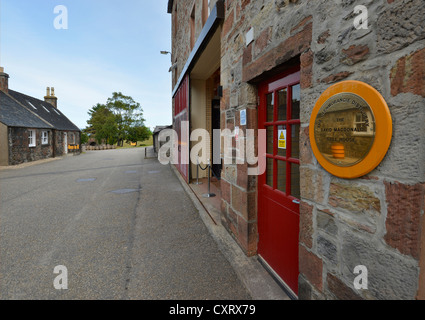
<point x="109" y="46"/>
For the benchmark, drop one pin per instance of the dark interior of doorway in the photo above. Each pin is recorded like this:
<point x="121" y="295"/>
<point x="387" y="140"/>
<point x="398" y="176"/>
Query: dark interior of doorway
<point x="215" y="119"/>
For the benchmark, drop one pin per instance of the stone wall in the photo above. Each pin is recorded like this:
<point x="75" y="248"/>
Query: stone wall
<point x="59" y="142"/>
<point x="181" y="30"/>
<point x="377" y="220"/>
<point x="19" y="150"/>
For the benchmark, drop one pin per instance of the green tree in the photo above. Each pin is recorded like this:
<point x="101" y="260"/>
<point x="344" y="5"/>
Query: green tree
<point x="102" y="124"/>
<point x="119" y="120"/>
<point x="128" y="113"/>
<point x="84" y="137"/>
<point x="138" y="133"/>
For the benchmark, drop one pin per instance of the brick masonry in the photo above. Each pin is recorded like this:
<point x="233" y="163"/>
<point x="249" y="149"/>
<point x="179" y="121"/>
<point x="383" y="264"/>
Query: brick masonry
<point x="383" y="209"/>
<point x="376" y="220"/>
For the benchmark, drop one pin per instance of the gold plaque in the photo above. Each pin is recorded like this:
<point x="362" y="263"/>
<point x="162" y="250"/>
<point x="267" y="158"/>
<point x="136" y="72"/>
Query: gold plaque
<point x="350" y="129"/>
<point x="344" y="129"/>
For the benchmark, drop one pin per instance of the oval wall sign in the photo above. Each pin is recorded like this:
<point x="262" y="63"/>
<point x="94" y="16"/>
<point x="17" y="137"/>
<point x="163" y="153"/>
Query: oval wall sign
<point x="350" y="129"/>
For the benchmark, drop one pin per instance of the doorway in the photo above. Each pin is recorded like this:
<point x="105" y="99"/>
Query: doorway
<point x="279" y="186"/>
<point x="215" y="124"/>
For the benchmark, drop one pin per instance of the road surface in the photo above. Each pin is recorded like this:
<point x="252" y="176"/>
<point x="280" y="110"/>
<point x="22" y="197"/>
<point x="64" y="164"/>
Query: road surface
<point x="121" y="226"/>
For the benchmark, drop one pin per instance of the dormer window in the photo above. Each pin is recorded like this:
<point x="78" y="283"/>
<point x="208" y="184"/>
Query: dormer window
<point x="31" y="105"/>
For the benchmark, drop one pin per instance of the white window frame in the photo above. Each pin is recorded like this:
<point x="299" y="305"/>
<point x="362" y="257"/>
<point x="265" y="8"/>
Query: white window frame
<point x="32" y="135"/>
<point x="44" y="137"/>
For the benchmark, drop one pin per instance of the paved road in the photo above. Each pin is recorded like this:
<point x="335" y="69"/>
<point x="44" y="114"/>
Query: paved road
<point x="122" y="225"/>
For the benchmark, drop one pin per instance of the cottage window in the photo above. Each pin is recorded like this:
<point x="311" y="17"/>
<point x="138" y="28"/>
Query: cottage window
<point x="31" y="138"/>
<point x="44" y="137"/>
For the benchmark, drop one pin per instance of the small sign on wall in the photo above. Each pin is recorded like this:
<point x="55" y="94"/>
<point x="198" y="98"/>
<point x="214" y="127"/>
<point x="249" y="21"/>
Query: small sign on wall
<point x="243" y="117"/>
<point x="282" y="139"/>
<point x="249" y="37"/>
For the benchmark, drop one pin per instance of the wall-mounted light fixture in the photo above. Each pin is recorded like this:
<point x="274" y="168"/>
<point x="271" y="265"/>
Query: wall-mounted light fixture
<point x="165" y="52"/>
<point x="173" y="67"/>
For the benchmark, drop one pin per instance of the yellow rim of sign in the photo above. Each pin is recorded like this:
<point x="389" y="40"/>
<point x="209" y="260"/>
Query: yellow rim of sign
<point x="383" y="129"/>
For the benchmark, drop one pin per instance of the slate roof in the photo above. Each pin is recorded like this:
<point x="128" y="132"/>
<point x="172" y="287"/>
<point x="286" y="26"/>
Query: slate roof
<point x="46" y="111"/>
<point x="12" y="114"/>
<point x="160" y="128"/>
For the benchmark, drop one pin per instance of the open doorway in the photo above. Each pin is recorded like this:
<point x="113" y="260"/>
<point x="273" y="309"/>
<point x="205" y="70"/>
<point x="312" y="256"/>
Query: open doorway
<point x="215" y="124"/>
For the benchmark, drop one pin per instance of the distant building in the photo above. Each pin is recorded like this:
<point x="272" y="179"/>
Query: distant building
<point x="33" y="129"/>
<point x="155" y="135"/>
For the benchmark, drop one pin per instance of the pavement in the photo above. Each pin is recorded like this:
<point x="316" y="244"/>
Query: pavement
<point x="125" y="227"/>
<point x="259" y="283"/>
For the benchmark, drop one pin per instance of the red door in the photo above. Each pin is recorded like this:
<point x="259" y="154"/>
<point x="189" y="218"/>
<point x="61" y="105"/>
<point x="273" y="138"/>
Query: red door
<point x="181" y="126"/>
<point x="279" y="186"/>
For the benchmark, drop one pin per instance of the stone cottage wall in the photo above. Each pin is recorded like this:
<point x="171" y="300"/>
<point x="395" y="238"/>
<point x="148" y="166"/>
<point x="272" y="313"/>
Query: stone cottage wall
<point x="59" y="142"/>
<point x="376" y="220"/>
<point x="19" y="150"/>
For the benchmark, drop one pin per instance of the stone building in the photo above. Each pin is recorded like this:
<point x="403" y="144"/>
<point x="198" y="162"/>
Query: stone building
<point x="155" y="137"/>
<point x="244" y="64"/>
<point x="33" y="129"/>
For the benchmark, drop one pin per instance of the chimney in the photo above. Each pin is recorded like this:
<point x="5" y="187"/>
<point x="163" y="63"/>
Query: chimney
<point x="4" y="81"/>
<point x="50" y="97"/>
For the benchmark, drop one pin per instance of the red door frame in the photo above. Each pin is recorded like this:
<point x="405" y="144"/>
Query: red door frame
<point x="181" y="114"/>
<point x="278" y="212"/>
